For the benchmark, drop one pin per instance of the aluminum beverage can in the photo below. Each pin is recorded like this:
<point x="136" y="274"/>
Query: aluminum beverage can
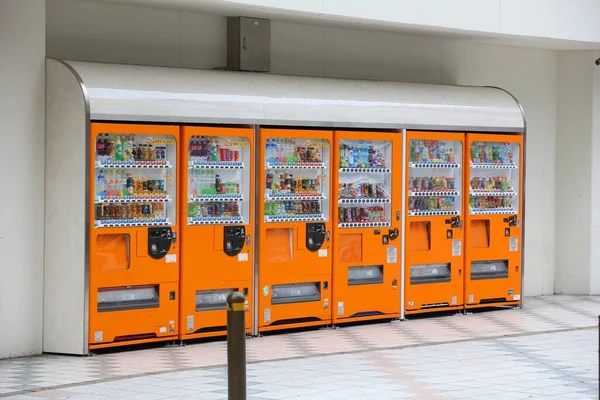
<point x="236" y="155"/>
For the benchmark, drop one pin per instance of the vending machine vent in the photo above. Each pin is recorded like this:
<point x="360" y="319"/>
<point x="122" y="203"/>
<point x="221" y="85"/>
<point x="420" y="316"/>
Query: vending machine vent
<point x="210" y="300"/>
<point x="296" y="293"/>
<point x="131" y="298"/>
<point x="365" y="275"/>
<point x="430" y="273"/>
<point x="497" y="269"/>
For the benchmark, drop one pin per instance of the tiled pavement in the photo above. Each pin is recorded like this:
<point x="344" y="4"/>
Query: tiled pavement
<point x="547" y="350"/>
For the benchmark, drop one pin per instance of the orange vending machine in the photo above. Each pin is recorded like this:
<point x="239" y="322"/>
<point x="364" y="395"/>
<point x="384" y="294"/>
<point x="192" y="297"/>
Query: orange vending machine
<point x="434" y="230"/>
<point x="216" y="256"/>
<point x="134" y="265"/>
<point x="366" y="209"/>
<point x="493" y="224"/>
<point x="294" y="229"/>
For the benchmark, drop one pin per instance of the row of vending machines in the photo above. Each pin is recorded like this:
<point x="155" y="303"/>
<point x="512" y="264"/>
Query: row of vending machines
<point x="312" y="226"/>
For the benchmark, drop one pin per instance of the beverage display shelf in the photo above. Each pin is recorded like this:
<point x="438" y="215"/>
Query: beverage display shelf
<point x="295" y="218"/>
<point x="366" y="170"/>
<point x="432" y="213"/>
<point x="294" y="197"/>
<point x="134" y="165"/>
<point x="434" y="164"/>
<point x="382" y="224"/>
<point x="216" y="165"/>
<point x="143" y="199"/>
<point x="297" y="165"/>
<point x="364" y="200"/>
<point x="492" y="193"/>
<point x="205" y="198"/>
<point x="492" y="166"/>
<point x="215" y="220"/>
<point x="429" y="193"/>
<point x="493" y="211"/>
<point x="131" y="223"/>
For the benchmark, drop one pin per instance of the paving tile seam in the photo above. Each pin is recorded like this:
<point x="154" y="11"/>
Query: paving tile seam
<point x="529" y="355"/>
<point x="366" y="350"/>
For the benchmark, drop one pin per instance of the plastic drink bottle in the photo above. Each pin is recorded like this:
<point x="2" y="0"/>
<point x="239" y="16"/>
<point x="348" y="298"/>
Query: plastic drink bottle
<point x="118" y="149"/>
<point x="100" y="148"/>
<point x="100" y="189"/>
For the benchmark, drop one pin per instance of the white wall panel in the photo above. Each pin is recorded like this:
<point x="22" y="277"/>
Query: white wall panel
<point x="22" y="31"/>
<point x="94" y="32"/>
<point x="560" y="19"/>
<point x="482" y="15"/>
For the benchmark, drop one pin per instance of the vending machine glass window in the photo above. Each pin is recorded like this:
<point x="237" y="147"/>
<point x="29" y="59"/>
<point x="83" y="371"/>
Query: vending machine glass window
<point x="364" y="186"/>
<point x="297" y="182"/>
<point x="218" y="181"/>
<point x="134" y="180"/>
<point x="434" y="238"/>
<point x="494" y="184"/>
<point x="435" y="178"/>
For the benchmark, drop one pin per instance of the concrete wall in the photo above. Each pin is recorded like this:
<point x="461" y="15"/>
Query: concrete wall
<point x="574" y="200"/>
<point x="122" y="34"/>
<point x="22" y="36"/>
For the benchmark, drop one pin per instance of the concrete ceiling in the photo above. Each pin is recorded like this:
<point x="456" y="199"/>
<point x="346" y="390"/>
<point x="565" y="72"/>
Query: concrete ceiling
<point x="230" y="8"/>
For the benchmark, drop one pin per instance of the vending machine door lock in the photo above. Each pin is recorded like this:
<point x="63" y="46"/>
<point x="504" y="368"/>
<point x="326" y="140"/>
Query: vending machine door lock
<point x="233" y="239"/>
<point x="159" y="242"/>
<point x="315" y="236"/>
<point x="513" y="220"/>
<point x="456" y="222"/>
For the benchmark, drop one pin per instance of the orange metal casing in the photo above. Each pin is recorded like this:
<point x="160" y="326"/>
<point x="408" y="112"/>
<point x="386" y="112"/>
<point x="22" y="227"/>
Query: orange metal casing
<point x="134" y="326"/>
<point x="493" y="244"/>
<point x="420" y="298"/>
<point x="204" y="265"/>
<point x="284" y="259"/>
<point x="376" y="300"/>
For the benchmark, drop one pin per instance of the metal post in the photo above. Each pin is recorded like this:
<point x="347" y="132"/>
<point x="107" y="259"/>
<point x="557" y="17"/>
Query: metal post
<point x="236" y="346"/>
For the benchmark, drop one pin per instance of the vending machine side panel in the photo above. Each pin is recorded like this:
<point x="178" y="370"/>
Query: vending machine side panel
<point x="217" y="223"/>
<point x="134" y="251"/>
<point x="433" y="278"/>
<point x="295" y="229"/>
<point x="493" y="246"/>
<point x="366" y="219"/>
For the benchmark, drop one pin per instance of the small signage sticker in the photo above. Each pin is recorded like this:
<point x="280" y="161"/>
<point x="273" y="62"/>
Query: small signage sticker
<point x="323" y="253"/>
<point x="513" y="244"/>
<point x="171" y="258"/>
<point x="392" y="254"/>
<point x="243" y="257"/>
<point x="456" y="248"/>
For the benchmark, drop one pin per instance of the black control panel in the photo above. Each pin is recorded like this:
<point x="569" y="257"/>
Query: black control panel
<point x="315" y="236"/>
<point x="233" y="239"/>
<point x="159" y="242"/>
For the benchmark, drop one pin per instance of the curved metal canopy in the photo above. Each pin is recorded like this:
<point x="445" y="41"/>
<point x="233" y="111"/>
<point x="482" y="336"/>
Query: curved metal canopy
<point x="171" y="95"/>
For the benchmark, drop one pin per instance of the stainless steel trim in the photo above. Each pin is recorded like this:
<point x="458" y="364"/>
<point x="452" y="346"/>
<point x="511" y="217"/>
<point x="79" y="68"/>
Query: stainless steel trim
<point x="523" y="177"/>
<point x="403" y="226"/>
<point x="255" y="275"/>
<point x="182" y="120"/>
<point x="86" y="233"/>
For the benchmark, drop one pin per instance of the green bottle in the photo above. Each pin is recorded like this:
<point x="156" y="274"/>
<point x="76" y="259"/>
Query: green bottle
<point x="118" y="149"/>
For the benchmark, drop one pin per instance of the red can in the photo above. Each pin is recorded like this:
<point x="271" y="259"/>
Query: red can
<point x="236" y="155"/>
<point x="223" y="154"/>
